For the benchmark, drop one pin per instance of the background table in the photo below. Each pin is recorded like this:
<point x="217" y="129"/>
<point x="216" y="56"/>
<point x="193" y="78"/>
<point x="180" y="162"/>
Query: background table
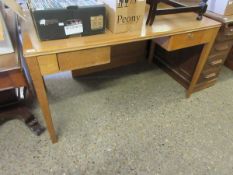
<point x="14" y="88"/>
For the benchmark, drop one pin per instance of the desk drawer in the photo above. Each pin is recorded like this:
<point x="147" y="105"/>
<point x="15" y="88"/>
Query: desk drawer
<point x="84" y="58"/>
<point x="184" y="40"/>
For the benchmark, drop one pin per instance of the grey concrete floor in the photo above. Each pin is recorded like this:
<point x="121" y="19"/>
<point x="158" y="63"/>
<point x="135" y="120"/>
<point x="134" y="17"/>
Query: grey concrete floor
<point x="130" y="121"/>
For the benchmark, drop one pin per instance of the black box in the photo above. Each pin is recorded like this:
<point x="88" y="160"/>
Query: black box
<point x="57" y="19"/>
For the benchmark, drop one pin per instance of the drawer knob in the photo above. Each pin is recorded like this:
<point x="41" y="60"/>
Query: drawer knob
<point x="216" y="62"/>
<point x="190" y="35"/>
<point x="210" y="76"/>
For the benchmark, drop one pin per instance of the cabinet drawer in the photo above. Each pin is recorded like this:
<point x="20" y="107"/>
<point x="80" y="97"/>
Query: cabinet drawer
<point x="209" y="75"/>
<point x="222" y="47"/>
<point x="84" y="58"/>
<point x="184" y="40"/>
<point x="215" y="60"/>
<point x="229" y="30"/>
<point x="217" y="57"/>
<point x="213" y="66"/>
<point x="222" y="36"/>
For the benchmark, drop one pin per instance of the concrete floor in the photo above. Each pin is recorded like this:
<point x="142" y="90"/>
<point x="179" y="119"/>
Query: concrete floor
<point x="131" y="121"/>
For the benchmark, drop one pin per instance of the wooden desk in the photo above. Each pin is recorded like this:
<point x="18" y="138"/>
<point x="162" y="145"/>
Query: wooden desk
<point x="51" y="57"/>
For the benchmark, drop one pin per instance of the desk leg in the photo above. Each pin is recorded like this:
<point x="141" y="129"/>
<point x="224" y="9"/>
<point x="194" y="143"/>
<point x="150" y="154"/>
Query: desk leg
<point x="202" y="61"/>
<point x="41" y="95"/>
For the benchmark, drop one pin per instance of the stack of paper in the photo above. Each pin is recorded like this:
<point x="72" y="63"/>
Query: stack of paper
<point x="6" y="46"/>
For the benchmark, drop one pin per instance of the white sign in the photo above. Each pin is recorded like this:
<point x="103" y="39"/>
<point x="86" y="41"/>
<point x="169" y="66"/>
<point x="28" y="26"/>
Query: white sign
<point x="74" y="29"/>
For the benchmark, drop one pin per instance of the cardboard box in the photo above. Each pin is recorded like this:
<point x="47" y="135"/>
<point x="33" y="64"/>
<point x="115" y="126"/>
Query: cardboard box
<point x="125" y="15"/>
<point x="222" y="7"/>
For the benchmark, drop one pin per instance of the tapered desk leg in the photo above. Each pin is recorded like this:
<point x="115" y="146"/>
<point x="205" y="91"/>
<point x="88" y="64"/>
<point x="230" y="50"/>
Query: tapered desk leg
<point x="41" y="95"/>
<point x="202" y="61"/>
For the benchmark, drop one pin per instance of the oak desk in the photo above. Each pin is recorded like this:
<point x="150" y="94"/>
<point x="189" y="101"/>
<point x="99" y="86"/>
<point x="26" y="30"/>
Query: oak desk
<point x="49" y="57"/>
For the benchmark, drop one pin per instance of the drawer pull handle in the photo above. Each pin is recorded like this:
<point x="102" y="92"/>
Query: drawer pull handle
<point x="210" y="76"/>
<point x="216" y="62"/>
<point x="190" y="35"/>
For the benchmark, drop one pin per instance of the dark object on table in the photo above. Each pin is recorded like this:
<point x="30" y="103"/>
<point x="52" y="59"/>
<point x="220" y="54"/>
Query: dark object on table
<point x="55" y="19"/>
<point x="179" y="8"/>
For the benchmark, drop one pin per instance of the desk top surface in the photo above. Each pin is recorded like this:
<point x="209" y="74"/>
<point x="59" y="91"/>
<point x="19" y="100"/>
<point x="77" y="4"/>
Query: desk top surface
<point x="166" y="25"/>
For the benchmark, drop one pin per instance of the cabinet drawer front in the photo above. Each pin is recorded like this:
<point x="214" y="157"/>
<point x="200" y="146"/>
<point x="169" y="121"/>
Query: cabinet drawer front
<point x="84" y="58"/>
<point x="229" y="30"/>
<point x="185" y="40"/>
<point x="225" y="35"/>
<point x="209" y="75"/>
<point x="215" y="60"/>
<point x="217" y="56"/>
<point x="222" y="47"/>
